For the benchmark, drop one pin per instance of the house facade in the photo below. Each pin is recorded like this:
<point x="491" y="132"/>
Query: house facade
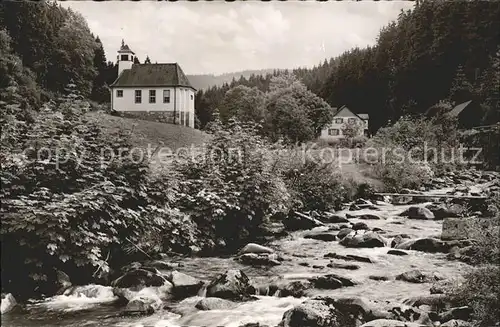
<point x="342" y="118"/>
<point x="159" y="92"/>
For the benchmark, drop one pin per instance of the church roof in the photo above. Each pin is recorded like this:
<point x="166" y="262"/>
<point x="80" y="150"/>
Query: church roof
<point x="125" y="48"/>
<point x="153" y="75"/>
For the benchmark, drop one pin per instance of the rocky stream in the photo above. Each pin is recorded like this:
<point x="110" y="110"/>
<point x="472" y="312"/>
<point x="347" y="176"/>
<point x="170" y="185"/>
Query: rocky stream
<point x="377" y="263"/>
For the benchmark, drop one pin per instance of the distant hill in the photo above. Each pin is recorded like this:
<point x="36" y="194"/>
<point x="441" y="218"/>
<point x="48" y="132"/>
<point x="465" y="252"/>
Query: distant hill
<point x="204" y="81"/>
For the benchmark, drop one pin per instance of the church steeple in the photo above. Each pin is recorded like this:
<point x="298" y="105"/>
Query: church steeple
<point x="125" y="57"/>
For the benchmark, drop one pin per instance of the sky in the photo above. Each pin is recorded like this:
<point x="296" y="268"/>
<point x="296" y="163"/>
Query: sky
<point x="220" y="37"/>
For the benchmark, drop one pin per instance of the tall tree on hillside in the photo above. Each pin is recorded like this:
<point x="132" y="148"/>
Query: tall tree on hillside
<point x="461" y="89"/>
<point x="136" y="61"/>
<point x="243" y="103"/>
<point x="100" y="91"/>
<point x="147" y="60"/>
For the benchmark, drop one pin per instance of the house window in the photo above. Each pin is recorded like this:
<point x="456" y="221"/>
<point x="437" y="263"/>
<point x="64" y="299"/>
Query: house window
<point x="152" y="96"/>
<point x="166" y="96"/>
<point x="119" y="93"/>
<point x="351" y="120"/>
<point x="339" y="120"/>
<point x="191" y="97"/>
<point x="182" y="117"/>
<point x="333" y="131"/>
<point x="138" y="96"/>
<point x="124" y="58"/>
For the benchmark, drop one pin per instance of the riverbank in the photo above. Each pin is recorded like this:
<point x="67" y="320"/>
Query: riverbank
<point x="391" y="271"/>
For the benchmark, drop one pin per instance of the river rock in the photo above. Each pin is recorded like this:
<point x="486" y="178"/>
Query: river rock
<point x="139" y="277"/>
<point x="63" y="282"/>
<point x="344" y="232"/>
<point x="163" y="292"/>
<point x="214" y="303"/>
<point x="90" y="291"/>
<point x="360" y="226"/>
<point x="391" y="323"/>
<point x="140" y="306"/>
<point x="232" y="285"/>
<point x="184" y="285"/>
<point x="348" y="257"/>
<point x="429" y="245"/>
<point x="379" y="278"/>
<point x="459" y="313"/>
<point x="298" y="221"/>
<point x="259" y="259"/>
<point x="398" y="239"/>
<point x="295" y="288"/>
<point x="342" y="266"/>
<point x="255" y="248"/>
<point x="397" y="252"/>
<point x="416" y="276"/>
<point x="331" y="281"/>
<point x="321" y="236"/>
<point x="366" y="240"/>
<point x="437" y="301"/>
<point x="456" y="323"/>
<point x="331" y="218"/>
<point x="418" y="213"/>
<point x="370" y="216"/>
<point x="328" y="312"/>
<point x="8" y="303"/>
<point x="442" y="211"/>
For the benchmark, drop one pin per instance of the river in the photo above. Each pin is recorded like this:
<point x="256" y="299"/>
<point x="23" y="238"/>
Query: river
<point x="303" y="254"/>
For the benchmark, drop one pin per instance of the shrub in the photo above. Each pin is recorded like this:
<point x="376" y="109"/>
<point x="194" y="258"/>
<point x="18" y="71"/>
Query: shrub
<point x="413" y="149"/>
<point x="315" y="185"/>
<point x="481" y="287"/>
<point x="71" y="208"/>
<point x="480" y="291"/>
<point x="231" y="189"/>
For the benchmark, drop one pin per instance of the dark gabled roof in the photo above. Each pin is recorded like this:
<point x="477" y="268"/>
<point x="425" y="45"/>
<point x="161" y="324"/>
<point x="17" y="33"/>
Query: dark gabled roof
<point x="360" y="116"/>
<point x="458" y="109"/>
<point x="153" y="75"/>
<point x="125" y="49"/>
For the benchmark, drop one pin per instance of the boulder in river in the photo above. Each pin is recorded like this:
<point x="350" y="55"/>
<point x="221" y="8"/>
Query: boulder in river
<point x="140" y="306"/>
<point x="360" y="226"/>
<point x="259" y="259"/>
<point x="456" y="323"/>
<point x="232" y="285"/>
<point x="348" y="257"/>
<point x="437" y="301"/>
<point x="214" y="303"/>
<point x="8" y="303"/>
<point x="366" y="240"/>
<point x="331" y="312"/>
<point x="184" y="285"/>
<point x="418" y="213"/>
<point x="295" y="288"/>
<point x="321" y="236"/>
<point x="298" y="221"/>
<point x="344" y="232"/>
<point x="370" y="216"/>
<point x="416" y="276"/>
<point x="331" y="218"/>
<point x="397" y="252"/>
<point x="429" y="245"/>
<point x="140" y="277"/>
<point x="342" y="266"/>
<point x="391" y="323"/>
<point x="331" y="281"/>
<point x="255" y="248"/>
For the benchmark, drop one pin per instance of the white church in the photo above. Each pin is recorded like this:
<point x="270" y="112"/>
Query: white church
<point x="159" y="92"/>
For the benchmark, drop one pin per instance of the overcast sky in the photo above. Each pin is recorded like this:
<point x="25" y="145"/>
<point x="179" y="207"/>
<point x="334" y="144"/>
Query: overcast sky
<point x="220" y="37"/>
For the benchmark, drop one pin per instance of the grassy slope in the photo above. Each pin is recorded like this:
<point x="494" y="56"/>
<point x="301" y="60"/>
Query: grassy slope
<point x="153" y="133"/>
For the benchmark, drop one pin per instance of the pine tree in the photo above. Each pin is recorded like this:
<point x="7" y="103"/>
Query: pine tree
<point x="147" y="60"/>
<point x="461" y="89"/>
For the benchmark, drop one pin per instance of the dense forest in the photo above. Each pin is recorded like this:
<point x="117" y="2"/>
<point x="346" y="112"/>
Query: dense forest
<point x="437" y="51"/>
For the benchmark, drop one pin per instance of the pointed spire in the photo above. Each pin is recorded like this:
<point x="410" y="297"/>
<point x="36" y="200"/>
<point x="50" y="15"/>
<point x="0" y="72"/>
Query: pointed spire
<point x="123" y="43"/>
